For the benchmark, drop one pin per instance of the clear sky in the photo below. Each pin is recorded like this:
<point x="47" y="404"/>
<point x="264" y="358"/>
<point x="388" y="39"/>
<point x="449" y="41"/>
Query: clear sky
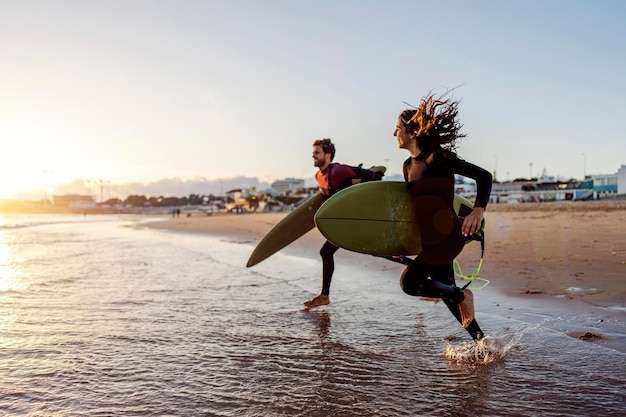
<point x="141" y="90"/>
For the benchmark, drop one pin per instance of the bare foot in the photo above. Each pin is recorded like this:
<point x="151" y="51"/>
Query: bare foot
<point x="467" y="308"/>
<point x="320" y="300"/>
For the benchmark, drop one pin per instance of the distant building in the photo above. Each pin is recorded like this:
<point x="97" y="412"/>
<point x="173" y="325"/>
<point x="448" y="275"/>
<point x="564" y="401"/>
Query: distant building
<point x="510" y="191"/>
<point x="621" y="180"/>
<point x="287" y="185"/>
<point x="550" y="188"/>
<point x="241" y="200"/>
<point x="464" y="186"/>
<point x="605" y="184"/>
<point x="74" y="201"/>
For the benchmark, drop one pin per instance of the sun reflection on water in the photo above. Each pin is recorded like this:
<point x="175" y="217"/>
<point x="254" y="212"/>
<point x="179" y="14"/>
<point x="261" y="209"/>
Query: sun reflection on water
<point x="9" y="279"/>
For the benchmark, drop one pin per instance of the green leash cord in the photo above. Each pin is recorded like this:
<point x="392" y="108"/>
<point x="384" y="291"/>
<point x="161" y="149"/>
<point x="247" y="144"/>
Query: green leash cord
<point x="474" y="277"/>
<point x="405" y="260"/>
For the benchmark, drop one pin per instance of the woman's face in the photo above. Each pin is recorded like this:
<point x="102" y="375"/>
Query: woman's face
<point x="404" y="137"/>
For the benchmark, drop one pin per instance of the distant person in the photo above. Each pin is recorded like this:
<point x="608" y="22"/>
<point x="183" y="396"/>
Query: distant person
<point x="429" y="134"/>
<point x="331" y="177"/>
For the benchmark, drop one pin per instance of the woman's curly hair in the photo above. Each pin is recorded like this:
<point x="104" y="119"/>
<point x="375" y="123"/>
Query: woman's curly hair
<point x="434" y="123"/>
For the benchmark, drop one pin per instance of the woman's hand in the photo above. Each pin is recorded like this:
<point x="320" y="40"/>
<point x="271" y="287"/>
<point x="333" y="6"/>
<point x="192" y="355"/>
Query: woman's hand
<point x="473" y="222"/>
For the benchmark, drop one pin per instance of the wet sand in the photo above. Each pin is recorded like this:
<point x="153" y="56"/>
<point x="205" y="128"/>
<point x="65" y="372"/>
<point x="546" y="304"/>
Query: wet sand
<point x="568" y="250"/>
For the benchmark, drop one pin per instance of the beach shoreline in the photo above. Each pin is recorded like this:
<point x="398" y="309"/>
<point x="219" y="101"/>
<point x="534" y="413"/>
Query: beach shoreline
<point x="580" y="247"/>
<point x="568" y="256"/>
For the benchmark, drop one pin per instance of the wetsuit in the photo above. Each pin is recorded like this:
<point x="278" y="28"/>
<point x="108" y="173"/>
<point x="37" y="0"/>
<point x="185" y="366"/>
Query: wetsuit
<point x="332" y="179"/>
<point x="427" y="279"/>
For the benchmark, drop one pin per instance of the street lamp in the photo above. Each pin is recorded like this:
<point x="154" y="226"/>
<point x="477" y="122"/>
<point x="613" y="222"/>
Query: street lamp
<point x="47" y="175"/>
<point x="531" y="171"/>
<point x="495" y="169"/>
<point x="101" y="181"/>
<point x="584" y="166"/>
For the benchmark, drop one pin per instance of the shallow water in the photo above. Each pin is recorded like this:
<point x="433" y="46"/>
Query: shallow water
<point x="100" y="318"/>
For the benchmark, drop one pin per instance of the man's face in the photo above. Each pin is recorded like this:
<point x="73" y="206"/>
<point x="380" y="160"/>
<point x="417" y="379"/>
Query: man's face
<point x="320" y="158"/>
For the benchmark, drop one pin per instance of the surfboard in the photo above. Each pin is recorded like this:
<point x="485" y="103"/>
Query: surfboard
<point x="293" y="226"/>
<point x="388" y="218"/>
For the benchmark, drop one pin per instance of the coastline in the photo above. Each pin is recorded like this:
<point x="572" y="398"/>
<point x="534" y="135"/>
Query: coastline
<point x="554" y="256"/>
<point x="576" y="250"/>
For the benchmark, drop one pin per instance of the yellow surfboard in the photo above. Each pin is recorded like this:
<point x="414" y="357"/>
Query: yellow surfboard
<point x="387" y="218"/>
<point x="293" y="226"/>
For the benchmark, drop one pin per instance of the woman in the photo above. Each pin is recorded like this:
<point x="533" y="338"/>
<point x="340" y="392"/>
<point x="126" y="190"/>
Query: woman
<point x="429" y="134"/>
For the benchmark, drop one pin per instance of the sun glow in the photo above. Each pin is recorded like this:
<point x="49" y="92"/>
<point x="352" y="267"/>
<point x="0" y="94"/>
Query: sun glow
<point x="21" y="179"/>
<point x="8" y="275"/>
<point x="35" y="158"/>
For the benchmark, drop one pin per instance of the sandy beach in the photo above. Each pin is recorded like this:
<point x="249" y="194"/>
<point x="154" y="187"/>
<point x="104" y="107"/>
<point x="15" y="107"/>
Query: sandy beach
<point x="566" y="250"/>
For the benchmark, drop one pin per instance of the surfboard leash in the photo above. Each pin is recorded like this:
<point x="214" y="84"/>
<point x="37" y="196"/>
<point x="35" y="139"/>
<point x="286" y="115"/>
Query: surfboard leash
<point x="459" y="272"/>
<point x="405" y="260"/>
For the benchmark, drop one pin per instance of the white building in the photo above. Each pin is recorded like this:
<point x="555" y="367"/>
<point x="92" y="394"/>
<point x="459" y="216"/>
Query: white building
<point x="621" y="180"/>
<point x="288" y="184"/>
<point x="74" y="201"/>
<point x="607" y="184"/>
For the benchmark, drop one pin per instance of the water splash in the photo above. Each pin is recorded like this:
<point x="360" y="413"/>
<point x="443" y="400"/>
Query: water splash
<point x="487" y="350"/>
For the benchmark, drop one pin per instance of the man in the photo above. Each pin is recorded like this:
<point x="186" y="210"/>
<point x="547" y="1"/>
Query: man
<point x="331" y="178"/>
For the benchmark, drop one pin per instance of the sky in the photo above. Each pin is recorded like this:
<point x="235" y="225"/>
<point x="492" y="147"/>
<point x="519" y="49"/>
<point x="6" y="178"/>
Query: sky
<point x="185" y="92"/>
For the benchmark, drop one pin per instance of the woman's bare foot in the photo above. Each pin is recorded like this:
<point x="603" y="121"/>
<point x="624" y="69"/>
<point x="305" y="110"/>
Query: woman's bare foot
<point x="320" y="300"/>
<point x="467" y="308"/>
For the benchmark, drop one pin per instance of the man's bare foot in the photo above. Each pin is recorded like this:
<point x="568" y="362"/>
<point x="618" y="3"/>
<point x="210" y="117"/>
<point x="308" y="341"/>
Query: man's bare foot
<point x="467" y="308"/>
<point x="320" y="300"/>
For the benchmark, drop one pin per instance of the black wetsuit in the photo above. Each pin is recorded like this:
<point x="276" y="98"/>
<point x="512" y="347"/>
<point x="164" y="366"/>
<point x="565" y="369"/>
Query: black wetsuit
<point x="334" y="178"/>
<point x="427" y="279"/>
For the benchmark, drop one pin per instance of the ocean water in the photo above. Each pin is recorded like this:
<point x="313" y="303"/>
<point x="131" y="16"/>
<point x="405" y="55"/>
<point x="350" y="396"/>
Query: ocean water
<point x="101" y="317"/>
